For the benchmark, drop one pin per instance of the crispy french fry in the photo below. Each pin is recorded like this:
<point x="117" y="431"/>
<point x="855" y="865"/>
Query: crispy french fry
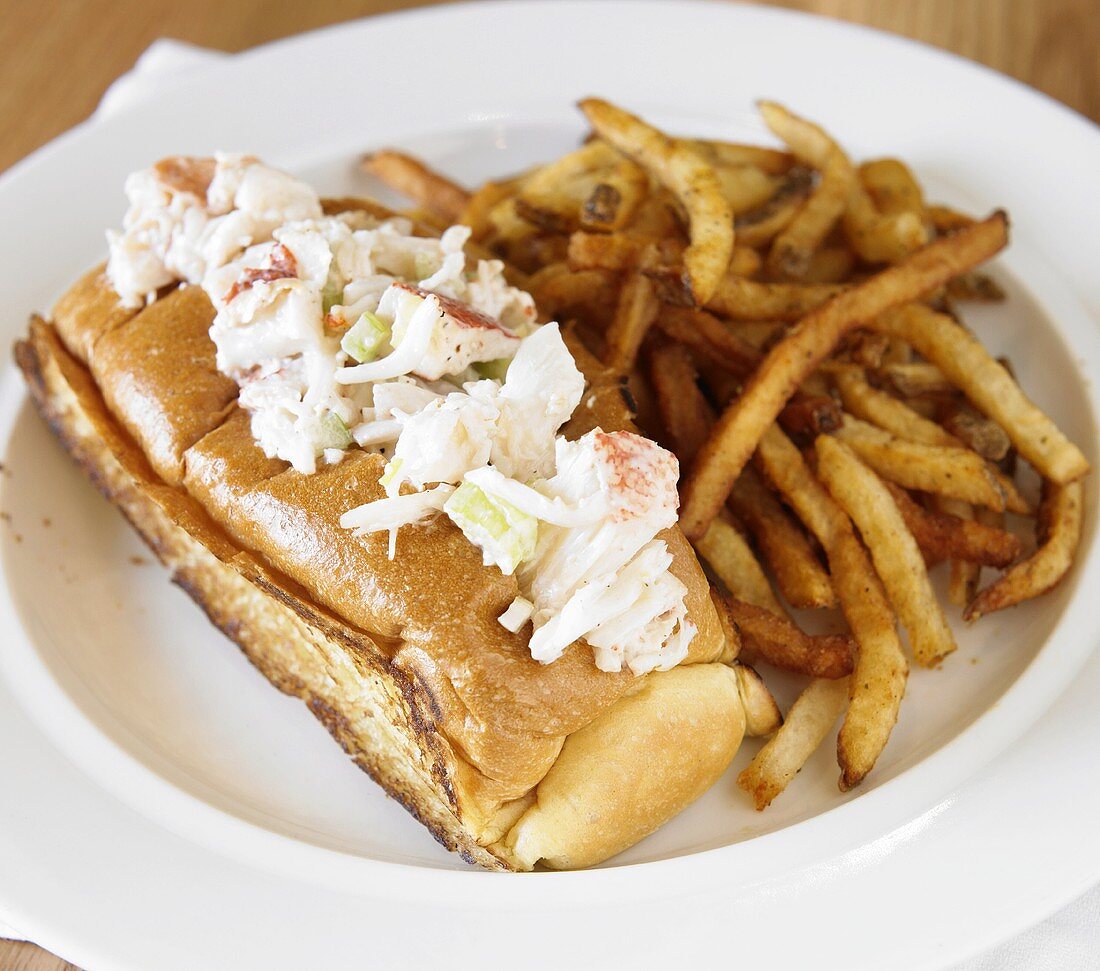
<point x="690" y="178"/>
<point x="1059" y="529"/>
<point x="978" y="287"/>
<point x="793" y="249"/>
<point x="783" y="644"/>
<point x="801" y="578"/>
<point x="759" y="226"/>
<point x="744" y="299"/>
<point x="991" y="389"/>
<point x="481" y="203"/>
<point x="975" y="431"/>
<point x="944" y="219"/>
<point x="414" y="179"/>
<point x="709" y="336"/>
<point x="786" y="365"/>
<point x="830" y="264"/>
<point x="733" y="154"/>
<point x="887" y="412"/>
<point x="814" y="712"/>
<point x="916" y="379"/>
<point x="557" y="289"/>
<point x="731" y="558"/>
<point x="878" y="682"/>
<point x="892" y="186"/>
<point x="943" y="536"/>
<point x="745" y="186"/>
<point x="954" y="472"/>
<point x="635" y="312"/>
<point x="684" y="411"/>
<point x="615" y="197"/>
<point x="893" y="549"/>
<point x="962" y="582"/>
<point x="552" y="197"/>
<point x="605" y="251"/>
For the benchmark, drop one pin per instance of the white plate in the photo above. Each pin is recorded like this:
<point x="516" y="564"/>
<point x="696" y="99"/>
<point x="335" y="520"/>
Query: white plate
<point x="238" y="835"/>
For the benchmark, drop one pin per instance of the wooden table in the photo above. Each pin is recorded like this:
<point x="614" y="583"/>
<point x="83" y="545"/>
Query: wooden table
<point x="58" y="56"/>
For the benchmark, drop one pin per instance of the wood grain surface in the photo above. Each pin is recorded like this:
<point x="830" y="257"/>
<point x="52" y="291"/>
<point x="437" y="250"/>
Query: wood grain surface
<point x="58" y="56"/>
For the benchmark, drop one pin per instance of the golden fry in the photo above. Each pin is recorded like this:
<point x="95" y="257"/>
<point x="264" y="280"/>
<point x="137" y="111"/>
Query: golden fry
<point x="744" y="299"/>
<point x="635" y="312"/>
<point x="684" y="411"/>
<point x="783" y="644"/>
<point x="731" y="558"/>
<point x="412" y="178"/>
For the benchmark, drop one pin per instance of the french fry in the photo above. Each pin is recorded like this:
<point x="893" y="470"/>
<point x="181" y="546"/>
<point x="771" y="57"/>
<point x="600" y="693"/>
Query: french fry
<point x="887" y="412"/>
<point x="954" y="472"/>
<point x="1059" y="530"/>
<point x="552" y="196"/>
<point x="685" y="413"/>
<point x="759" y="226"/>
<point x="786" y="365"/>
<point x="412" y="178"/>
<point x="893" y="549"/>
<point x="977" y="287"/>
<point x="709" y="336"/>
<point x="962" y="581"/>
<point x="745" y="186"/>
<point x="916" y="379"/>
<point x="975" y="431"/>
<point x="615" y="197"/>
<point x="605" y="251"/>
<point x="830" y="264"/>
<point x="731" y="558"/>
<point x="744" y="299"/>
<point x="635" y="312"/>
<point x="783" y="644"/>
<point x="557" y="289"/>
<point x="481" y="203"/>
<point x="944" y="219"/>
<point x="943" y="536"/>
<point x="689" y="178"/>
<point x="800" y="577"/>
<point x="794" y="247"/>
<point x="892" y="186"/>
<point x="813" y="714"/>
<point x="733" y="154"/>
<point x="991" y="389"/>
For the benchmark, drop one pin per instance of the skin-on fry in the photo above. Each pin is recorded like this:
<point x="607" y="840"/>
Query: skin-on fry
<point x="962" y="582"/>
<point x="830" y="264"/>
<point x="801" y="578"/>
<point x="556" y="289"/>
<point x="943" y="536"/>
<point x="991" y="389"/>
<point x="741" y="426"/>
<point x="893" y="549"/>
<point x="884" y="410"/>
<point x="707" y="334"/>
<point x="758" y="227"/>
<point x="689" y="178"/>
<point x="605" y="251"/>
<point x="731" y="558"/>
<point x="953" y="472"/>
<point x="944" y="219"/>
<point x="481" y="203"/>
<point x="975" y="431"/>
<point x="878" y="682"/>
<point x="685" y="413"/>
<point x="744" y="299"/>
<point x="916" y="379"/>
<point x="553" y="196"/>
<point x="733" y="154"/>
<point x="414" y="179"/>
<point x="892" y="186"/>
<point x="978" y="287"/>
<point x="745" y="186"/>
<point x="813" y="714"/>
<point x="635" y="312"/>
<point x="615" y="197"/>
<point x="785" y="645"/>
<point x="794" y="247"/>
<point x="1059" y="530"/>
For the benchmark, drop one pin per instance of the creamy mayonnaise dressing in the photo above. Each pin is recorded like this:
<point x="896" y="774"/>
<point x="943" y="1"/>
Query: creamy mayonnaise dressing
<point x="350" y="331"/>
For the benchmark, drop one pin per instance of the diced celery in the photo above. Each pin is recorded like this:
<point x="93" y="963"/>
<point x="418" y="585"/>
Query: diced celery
<point x="496" y="370"/>
<point x="505" y="535"/>
<point x="365" y="337"/>
<point x="389" y="473"/>
<point x="334" y="433"/>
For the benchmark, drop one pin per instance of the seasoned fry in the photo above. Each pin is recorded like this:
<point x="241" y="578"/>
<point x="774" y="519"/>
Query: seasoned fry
<point x="943" y="536"/>
<point x="1059" y="530"/>
<point x="690" y="178"/>
<point x="801" y="578"/>
<point x="414" y="179"/>
<point x="952" y="471"/>
<point x="481" y="203"/>
<point x="893" y="549"/>
<point x="745" y="186"/>
<point x="616" y="196"/>
<point x="807" y="415"/>
<point x="605" y="251"/>
<point x="635" y="312"/>
<point x="944" y="219"/>
<point x="731" y="558"/>
<point x="707" y="334"/>
<point x="892" y="186"/>
<point x="741" y="426"/>
<point x="962" y="582"/>
<point x="744" y="299"/>
<point x="975" y="431"/>
<point x="991" y="389"/>
<point x="732" y="154"/>
<point x="684" y="411"/>
<point x="556" y="289"/>
<point x="783" y="644"/>
<point x="916" y="380"/>
<point x="794" y="247"/>
<point x="758" y="227"/>
<point x="886" y="411"/>
<point x="552" y="197"/>
<point x="978" y="287"/>
<point x="830" y="264"/>
<point x="814" y="712"/>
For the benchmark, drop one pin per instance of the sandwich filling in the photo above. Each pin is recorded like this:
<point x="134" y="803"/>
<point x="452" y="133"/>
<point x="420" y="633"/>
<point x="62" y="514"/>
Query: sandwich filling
<point x="351" y="331"/>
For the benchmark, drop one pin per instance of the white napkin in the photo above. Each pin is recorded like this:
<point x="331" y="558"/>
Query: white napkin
<point x="1068" y="941"/>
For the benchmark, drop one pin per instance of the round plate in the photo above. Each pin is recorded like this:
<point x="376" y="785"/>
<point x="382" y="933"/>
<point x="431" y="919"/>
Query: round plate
<point x="206" y="800"/>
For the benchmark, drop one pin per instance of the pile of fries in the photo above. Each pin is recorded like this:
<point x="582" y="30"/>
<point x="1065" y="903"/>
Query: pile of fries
<point x="787" y="322"/>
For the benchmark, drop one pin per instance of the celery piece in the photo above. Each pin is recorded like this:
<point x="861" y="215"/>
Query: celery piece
<point x="365" y="337"/>
<point x="334" y="433"/>
<point x="496" y="370"/>
<point x="505" y="535"/>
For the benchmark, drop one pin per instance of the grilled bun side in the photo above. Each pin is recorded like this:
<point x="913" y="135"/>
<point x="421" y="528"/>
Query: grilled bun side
<point x="630" y="770"/>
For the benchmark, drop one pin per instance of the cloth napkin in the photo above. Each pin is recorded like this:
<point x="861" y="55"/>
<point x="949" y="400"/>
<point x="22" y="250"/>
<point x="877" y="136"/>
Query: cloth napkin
<point x="1068" y="941"/>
